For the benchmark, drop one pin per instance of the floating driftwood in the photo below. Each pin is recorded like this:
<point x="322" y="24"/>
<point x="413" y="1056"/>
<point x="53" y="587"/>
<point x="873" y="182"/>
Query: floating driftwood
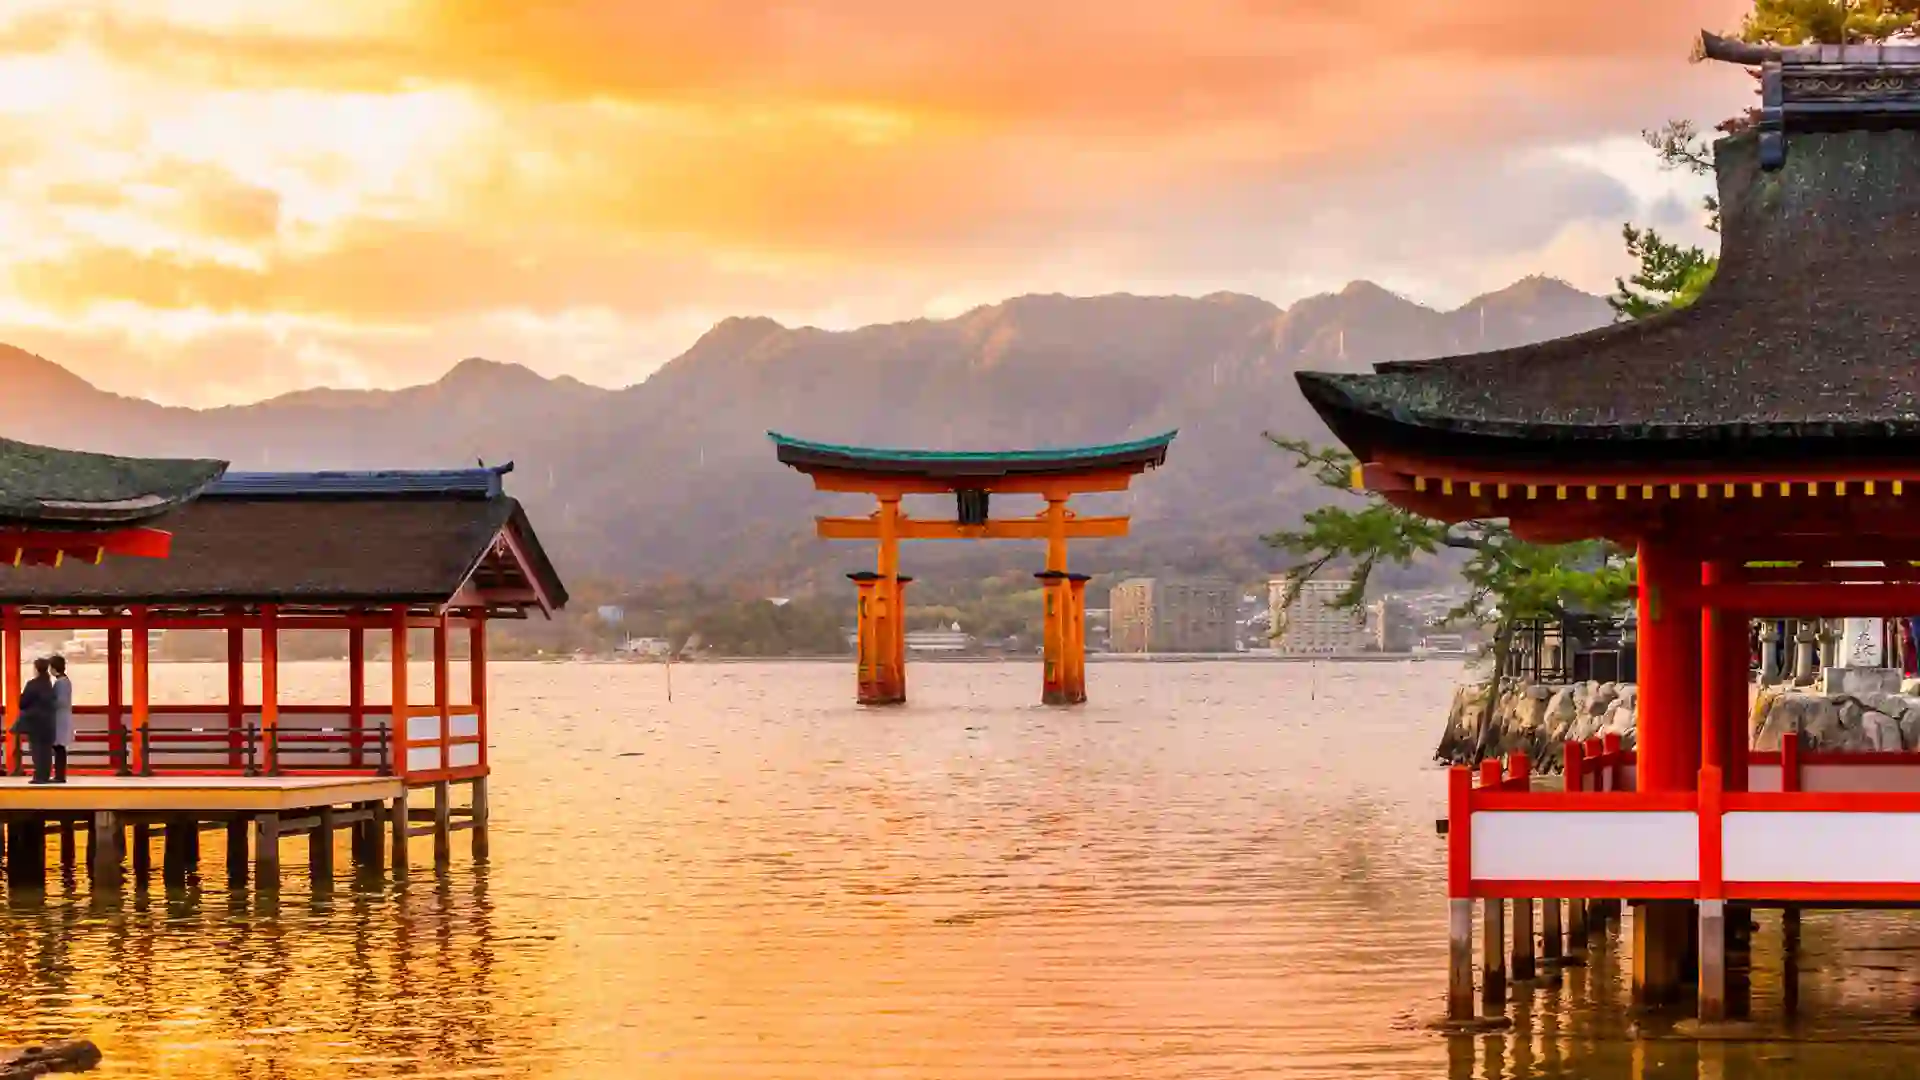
<point x="40" y="1060"/>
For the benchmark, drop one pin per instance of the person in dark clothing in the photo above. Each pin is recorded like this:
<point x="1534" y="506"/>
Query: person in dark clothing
<point x="36" y="719"/>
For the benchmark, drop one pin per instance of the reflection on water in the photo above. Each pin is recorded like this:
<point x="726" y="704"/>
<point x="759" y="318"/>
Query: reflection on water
<point x="1212" y="870"/>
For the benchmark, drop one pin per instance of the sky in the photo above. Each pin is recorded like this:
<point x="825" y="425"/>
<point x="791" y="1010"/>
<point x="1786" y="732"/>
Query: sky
<point x="214" y="201"/>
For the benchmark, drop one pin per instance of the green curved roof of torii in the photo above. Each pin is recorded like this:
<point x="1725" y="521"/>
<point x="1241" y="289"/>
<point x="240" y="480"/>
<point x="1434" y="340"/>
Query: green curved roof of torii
<point x="1136" y="455"/>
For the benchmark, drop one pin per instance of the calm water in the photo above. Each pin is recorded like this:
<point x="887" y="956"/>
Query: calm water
<point x="1212" y="871"/>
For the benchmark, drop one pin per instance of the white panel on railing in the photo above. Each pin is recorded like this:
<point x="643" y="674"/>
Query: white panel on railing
<point x="1629" y="778"/>
<point x="1598" y="845"/>
<point x="1763" y="777"/>
<point x="1860" y="777"/>
<point x="462" y="755"/>
<point x="1820" y="846"/>
<point x="423" y="758"/>
<point x="464" y="724"/>
<point x="423" y="728"/>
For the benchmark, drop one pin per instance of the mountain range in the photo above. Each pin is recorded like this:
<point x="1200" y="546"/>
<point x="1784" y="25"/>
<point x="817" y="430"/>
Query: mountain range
<point x="674" y="477"/>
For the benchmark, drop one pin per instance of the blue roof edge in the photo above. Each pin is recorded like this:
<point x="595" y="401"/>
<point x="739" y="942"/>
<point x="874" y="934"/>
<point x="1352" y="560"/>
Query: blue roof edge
<point x="483" y="482"/>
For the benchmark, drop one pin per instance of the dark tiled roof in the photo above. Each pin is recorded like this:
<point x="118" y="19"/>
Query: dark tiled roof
<point x="477" y="483"/>
<point x="1805" y="345"/>
<point x="961" y="464"/>
<point x="41" y="487"/>
<point x="324" y="548"/>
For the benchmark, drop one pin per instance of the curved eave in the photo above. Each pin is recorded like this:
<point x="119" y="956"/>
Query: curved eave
<point x="809" y="457"/>
<point x="1369" y="426"/>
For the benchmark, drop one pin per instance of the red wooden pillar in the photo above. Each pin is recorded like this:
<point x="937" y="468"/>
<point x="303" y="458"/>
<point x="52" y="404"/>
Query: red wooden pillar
<point x="137" y="730"/>
<point x="1668" y="727"/>
<point x="270" y="686"/>
<point x="10" y="685"/>
<point x="398" y="715"/>
<point x="1715" y="726"/>
<point x="443" y="690"/>
<point x="119" y="757"/>
<point x="356" y="693"/>
<point x="236" y="697"/>
<point x="477" y="674"/>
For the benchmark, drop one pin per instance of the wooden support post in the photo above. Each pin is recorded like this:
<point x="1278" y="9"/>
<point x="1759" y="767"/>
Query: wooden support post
<point x="443" y="691"/>
<point x="442" y="824"/>
<point x="119" y="747"/>
<point x="1524" y="968"/>
<point x="869" y="626"/>
<point x="397" y="719"/>
<point x="356" y="695"/>
<point x="237" y="855"/>
<point x="1552" y="939"/>
<point x="106" y="850"/>
<point x="1459" y="960"/>
<point x="376" y="837"/>
<point x="266" y="851"/>
<point x="237" y="698"/>
<point x="1076" y="656"/>
<point x="10" y="686"/>
<point x="1662" y="933"/>
<point x="397" y="816"/>
<point x="142" y="854"/>
<point x="270" y="688"/>
<point x="27" y="845"/>
<point x="320" y="848"/>
<point x="174" y="852"/>
<point x="1790" y="960"/>
<point x="478" y="792"/>
<point x="1493" y="955"/>
<point x="138" y="751"/>
<point x="1577" y="931"/>
<point x="1713" y="960"/>
<point x="477" y="677"/>
<point x="66" y="846"/>
<point x="891" y="678"/>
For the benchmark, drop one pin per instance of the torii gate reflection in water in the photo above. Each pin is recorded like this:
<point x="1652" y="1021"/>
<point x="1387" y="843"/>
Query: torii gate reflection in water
<point x="973" y="477"/>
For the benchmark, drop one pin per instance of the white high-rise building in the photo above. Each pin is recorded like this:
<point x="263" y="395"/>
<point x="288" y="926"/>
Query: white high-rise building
<point x="1312" y="625"/>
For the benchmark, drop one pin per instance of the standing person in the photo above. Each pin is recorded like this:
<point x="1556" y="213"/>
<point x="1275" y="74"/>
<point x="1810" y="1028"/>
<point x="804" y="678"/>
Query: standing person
<point x="62" y="716"/>
<point x="36" y="719"/>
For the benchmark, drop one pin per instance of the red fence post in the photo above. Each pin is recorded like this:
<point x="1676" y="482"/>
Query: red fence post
<point x="1790" y="762"/>
<point x="1574" y="757"/>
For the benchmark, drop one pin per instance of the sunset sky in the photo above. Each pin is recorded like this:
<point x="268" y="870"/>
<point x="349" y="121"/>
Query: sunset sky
<point x="211" y="201"/>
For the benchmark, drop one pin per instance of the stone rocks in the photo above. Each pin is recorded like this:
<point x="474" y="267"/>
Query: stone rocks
<point x="1867" y="722"/>
<point x="1535" y="718"/>
<point x="1860" y="680"/>
<point x="35" y="1061"/>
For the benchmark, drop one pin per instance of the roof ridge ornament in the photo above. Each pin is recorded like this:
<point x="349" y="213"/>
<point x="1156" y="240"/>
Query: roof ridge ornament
<point x="1824" y="87"/>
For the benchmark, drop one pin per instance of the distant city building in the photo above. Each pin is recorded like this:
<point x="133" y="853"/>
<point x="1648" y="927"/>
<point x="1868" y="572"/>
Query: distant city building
<point x="646" y="646"/>
<point x="1312" y="625"/>
<point x="938" y="641"/>
<point x="1390" y="625"/>
<point x="1191" y="616"/>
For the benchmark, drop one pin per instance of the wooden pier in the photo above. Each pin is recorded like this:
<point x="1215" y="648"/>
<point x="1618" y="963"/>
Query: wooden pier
<point x="376" y="558"/>
<point x="121" y="817"/>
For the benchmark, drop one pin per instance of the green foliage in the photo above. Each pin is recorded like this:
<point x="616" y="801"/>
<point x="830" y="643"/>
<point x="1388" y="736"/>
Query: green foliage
<point x="1507" y="578"/>
<point x="1670" y="276"/>
<point x="1828" y="22"/>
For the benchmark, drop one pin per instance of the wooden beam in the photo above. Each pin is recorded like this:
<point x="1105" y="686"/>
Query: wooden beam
<point x="832" y="528"/>
<point x="886" y="485"/>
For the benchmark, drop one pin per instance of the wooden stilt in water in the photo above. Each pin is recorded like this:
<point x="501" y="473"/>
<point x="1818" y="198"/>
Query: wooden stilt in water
<point x="27" y="842"/>
<point x="480" y="846"/>
<point x="397" y="817"/>
<point x="142" y="853"/>
<point x="442" y="824"/>
<point x="1523" y="967"/>
<point x="1551" y="938"/>
<point x="266" y="854"/>
<point x="66" y="846"/>
<point x="173" y="854"/>
<point x="320" y="848"/>
<point x="1663" y="933"/>
<point x="1493" y="955"/>
<point x="1713" y="960"/>
<point x="376" y="837"/>
<point x="1577" y="931"/>
<point x="1460" y="960"/>
<point x="106" y="850"/>
<point x="237" y="852"/>
<point x="1790" y="960"/>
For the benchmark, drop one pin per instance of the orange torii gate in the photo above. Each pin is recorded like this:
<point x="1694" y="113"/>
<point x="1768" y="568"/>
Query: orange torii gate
<point x="973" y="477"/>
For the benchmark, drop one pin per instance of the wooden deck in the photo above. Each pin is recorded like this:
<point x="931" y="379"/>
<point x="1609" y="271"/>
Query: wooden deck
<point x="184" y="794"/>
